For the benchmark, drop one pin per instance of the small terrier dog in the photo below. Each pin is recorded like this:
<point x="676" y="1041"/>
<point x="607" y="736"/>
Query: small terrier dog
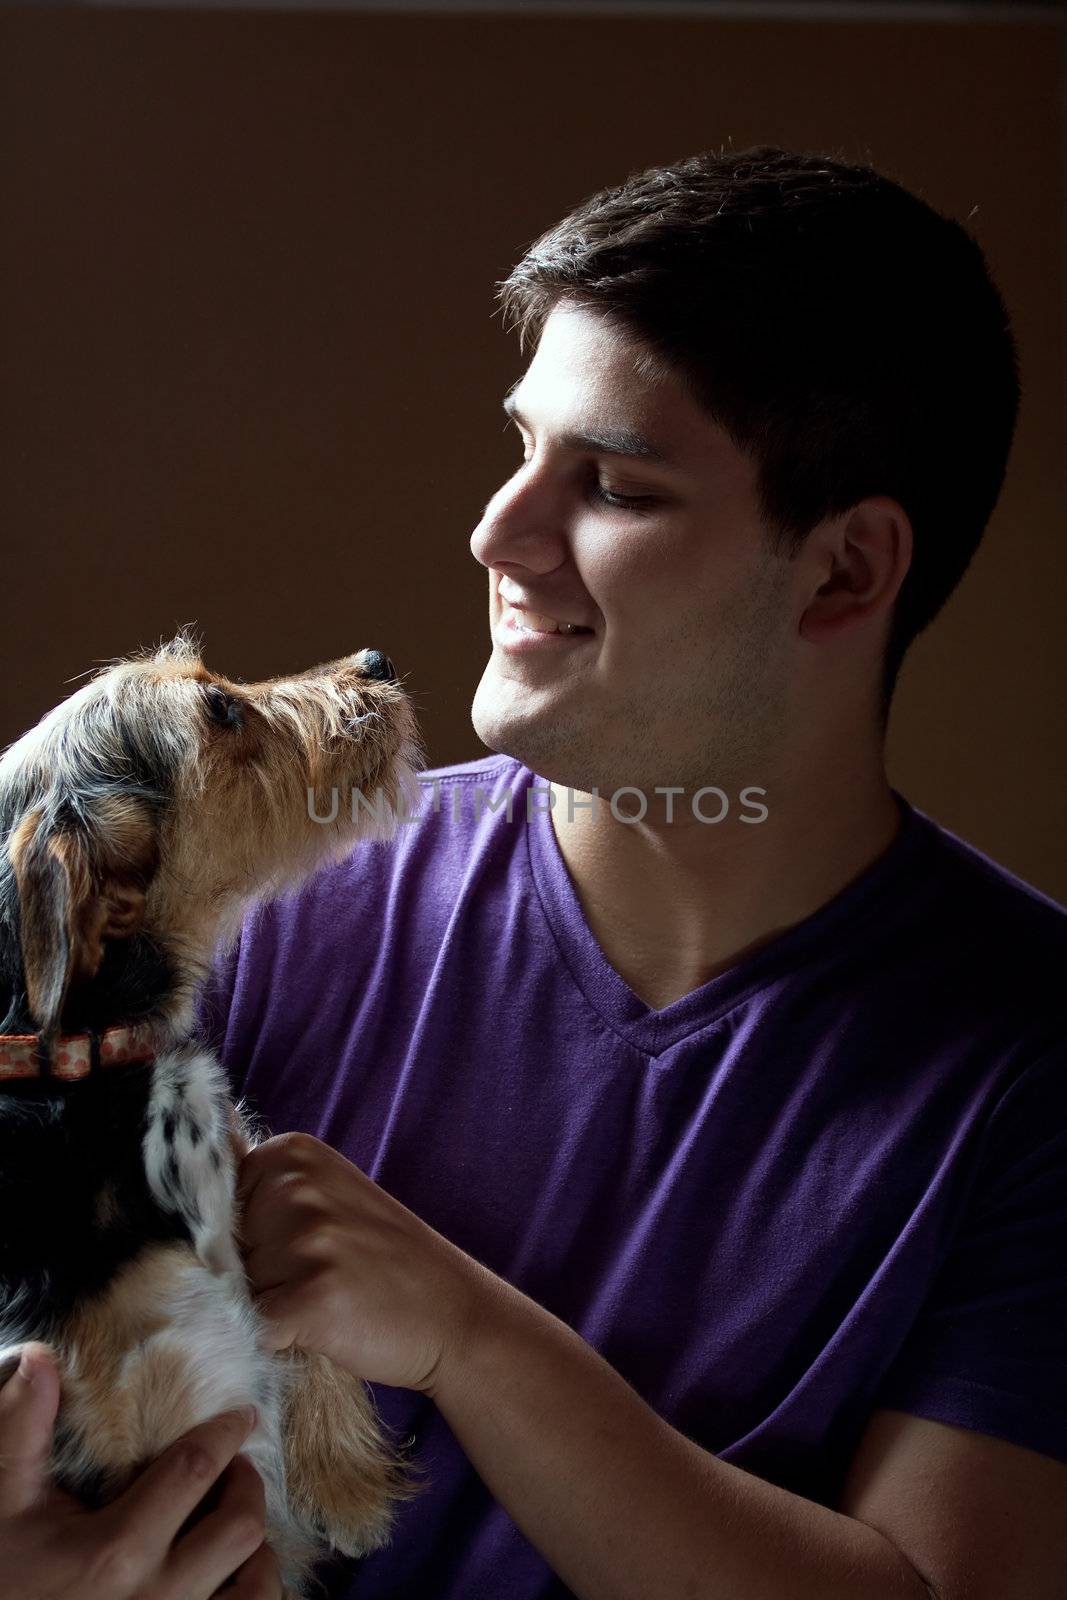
<point x="141" y="819"/>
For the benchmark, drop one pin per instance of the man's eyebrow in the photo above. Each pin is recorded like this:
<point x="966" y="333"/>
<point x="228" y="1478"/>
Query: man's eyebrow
<point x="606" y="441"/>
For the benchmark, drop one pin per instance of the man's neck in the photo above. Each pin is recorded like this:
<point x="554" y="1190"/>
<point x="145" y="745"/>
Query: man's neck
<point x="674" y="904"/>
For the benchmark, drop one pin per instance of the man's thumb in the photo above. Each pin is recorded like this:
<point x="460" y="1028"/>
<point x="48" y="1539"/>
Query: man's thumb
<point x="278" y="1310"/>
<point x="29" y="1401"/>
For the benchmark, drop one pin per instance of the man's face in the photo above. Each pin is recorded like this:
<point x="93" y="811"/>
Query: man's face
<point x="634" y="517"/>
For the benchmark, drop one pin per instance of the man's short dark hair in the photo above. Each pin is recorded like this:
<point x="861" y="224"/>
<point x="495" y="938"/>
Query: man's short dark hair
<point x="845" y="335"/>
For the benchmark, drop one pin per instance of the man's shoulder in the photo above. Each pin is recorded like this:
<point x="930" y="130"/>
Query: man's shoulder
<point x="1003" y="896"/>
<point x="460" y="803"/>
<point x="398" y="889"/>
<point x="487" y="766"/>
<point x="458" y="810"/>
<point x="490" y="773"/>
<point x="1001" y="936"/>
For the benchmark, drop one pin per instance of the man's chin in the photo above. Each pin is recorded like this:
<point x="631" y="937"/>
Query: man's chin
<point x="535" y="739"/>
<point x="506" y="736"/>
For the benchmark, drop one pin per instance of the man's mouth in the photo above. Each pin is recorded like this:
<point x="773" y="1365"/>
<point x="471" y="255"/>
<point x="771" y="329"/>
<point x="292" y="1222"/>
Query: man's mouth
<point x="518" y="616"/>
<point x="534" y="622"/>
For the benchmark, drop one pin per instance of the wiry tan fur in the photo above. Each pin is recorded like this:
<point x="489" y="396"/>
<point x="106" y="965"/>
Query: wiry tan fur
<point x="238" y="830"/>
<point x="175" y="1337"/>
<point x="331" y="1439"/>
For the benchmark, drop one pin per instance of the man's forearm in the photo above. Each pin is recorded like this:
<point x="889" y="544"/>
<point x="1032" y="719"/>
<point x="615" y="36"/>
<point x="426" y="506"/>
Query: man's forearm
<point x="621" y="1505"/>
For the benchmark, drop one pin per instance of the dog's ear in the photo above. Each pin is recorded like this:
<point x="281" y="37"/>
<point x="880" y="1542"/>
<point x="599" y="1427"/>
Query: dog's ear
<point x="75" y="890"/>
<point x="45" y="893"/>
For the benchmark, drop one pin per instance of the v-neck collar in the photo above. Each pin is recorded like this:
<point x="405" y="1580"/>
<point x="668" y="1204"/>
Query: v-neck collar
<point x="654" y="1031"/>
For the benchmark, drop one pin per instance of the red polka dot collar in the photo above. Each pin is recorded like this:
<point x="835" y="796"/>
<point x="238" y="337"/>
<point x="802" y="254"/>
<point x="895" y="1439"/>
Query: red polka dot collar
<point x="25" y="1055"/>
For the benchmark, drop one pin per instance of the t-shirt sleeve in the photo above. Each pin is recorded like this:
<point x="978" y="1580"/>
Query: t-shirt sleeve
<point x="989" y="1349"/>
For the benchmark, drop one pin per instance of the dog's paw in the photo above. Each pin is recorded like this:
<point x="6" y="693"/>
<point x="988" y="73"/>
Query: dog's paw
<point x="353" y="1510"/>
<point x="343" y="1479"/>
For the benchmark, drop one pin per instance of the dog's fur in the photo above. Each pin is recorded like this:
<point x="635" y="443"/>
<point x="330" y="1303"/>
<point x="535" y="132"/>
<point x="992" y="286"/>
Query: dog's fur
<point x="140" y="819"/>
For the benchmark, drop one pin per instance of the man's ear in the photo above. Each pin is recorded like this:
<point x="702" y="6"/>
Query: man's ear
<point x="70" y="904"/>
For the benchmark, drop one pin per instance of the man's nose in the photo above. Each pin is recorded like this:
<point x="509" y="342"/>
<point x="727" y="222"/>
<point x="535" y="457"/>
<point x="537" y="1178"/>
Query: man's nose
<point x="521" y="525"/>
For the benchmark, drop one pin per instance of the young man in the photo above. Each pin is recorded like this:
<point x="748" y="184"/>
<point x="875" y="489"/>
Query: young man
<point x="682" y="1149"/>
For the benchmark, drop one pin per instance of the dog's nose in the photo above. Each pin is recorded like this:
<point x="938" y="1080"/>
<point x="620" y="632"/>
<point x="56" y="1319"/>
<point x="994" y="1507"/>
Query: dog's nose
<point x="376" y="665"/>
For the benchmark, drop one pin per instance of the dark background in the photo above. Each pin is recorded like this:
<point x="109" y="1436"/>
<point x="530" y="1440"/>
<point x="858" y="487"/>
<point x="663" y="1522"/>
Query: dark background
<point x="252" y="371"/>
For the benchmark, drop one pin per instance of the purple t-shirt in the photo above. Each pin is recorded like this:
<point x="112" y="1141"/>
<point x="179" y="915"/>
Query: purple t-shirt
<point x="832" y="1178"/>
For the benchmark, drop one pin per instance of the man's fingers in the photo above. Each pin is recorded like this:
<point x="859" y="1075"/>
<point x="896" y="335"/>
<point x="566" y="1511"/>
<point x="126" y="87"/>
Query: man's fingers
<point x="260" y="1162"/>
<point x="29" y="1401"/>
<point x="225" y="1539"/>
<point x="258" y="1579"/>
<point x="278" y="1309"/>
<point x="148" y="1515"/>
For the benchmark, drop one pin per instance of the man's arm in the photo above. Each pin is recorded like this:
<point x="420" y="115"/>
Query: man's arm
<point x="621" y="1505"/>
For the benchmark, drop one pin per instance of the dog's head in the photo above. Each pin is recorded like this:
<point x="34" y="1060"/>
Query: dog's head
<point x="142" y="817"/>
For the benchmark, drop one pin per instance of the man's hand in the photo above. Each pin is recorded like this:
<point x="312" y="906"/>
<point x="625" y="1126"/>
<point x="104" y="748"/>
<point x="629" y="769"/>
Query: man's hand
<point x="52" y="1548"/>
<point x="339" y="1266"/>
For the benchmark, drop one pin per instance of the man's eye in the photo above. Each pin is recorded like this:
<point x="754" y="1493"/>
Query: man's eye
<point x="623" y="502"/>
<point x="605" y="496"/>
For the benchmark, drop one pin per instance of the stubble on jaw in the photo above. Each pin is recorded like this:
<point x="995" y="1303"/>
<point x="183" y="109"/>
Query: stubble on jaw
<point x="723" y="724"/>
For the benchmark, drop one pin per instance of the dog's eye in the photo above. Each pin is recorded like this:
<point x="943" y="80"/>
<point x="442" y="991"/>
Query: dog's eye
<point x="222" y="708"/>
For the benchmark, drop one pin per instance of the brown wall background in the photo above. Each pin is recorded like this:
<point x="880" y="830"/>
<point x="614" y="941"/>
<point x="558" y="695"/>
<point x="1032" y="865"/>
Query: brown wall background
<point x="251" y="369"/>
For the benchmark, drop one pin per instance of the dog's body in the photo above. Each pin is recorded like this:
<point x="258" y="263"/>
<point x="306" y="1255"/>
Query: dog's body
<point x="141" y="819"/>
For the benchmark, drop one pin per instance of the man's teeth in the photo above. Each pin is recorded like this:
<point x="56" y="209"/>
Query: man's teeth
<point x="533" y="622"/>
